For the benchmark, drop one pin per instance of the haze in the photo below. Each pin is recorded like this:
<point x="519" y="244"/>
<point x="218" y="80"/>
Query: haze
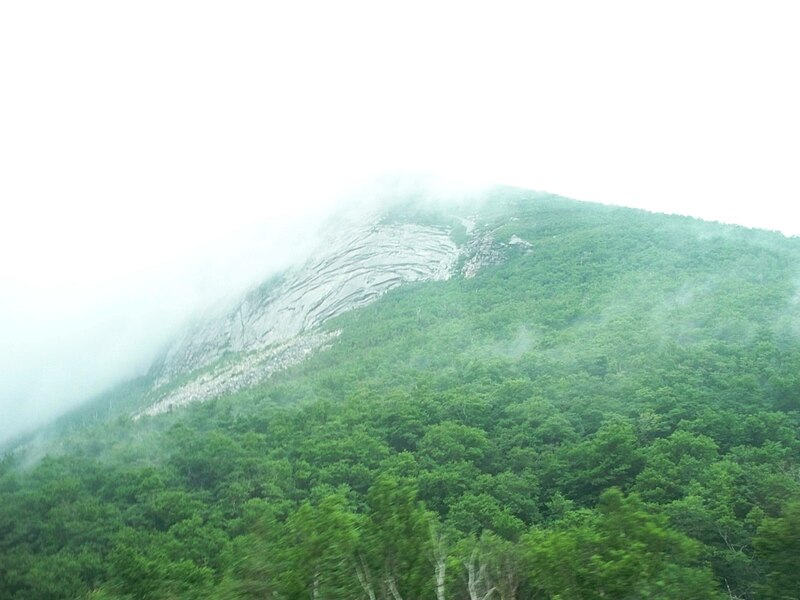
<point x="158" y="156"/>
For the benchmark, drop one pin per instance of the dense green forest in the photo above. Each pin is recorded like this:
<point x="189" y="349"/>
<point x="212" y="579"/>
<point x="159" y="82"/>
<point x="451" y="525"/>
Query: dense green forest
<point x="612" y="412"/>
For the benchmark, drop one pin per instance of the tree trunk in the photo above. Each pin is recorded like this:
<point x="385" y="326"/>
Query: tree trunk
<point x="439" y="563"/>
<point x="315" y="588"/>
<point x="393" y="589"/>
<point x="477" y="582"/>
<point x="362" y="572"/>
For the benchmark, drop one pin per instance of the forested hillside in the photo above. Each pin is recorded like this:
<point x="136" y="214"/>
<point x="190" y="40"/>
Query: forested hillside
<point x="610" y="409"/>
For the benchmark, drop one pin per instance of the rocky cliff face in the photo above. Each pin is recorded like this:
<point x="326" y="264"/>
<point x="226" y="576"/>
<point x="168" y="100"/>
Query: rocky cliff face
<point x="352" y="268"/>
<point x="279" y="324"/>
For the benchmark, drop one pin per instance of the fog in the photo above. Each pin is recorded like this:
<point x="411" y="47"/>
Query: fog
<point x="158" y="157"/>
<point x="64" y="343"/>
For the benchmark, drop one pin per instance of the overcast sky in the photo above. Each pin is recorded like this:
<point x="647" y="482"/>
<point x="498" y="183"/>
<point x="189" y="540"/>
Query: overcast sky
<point x="154" y="153"/>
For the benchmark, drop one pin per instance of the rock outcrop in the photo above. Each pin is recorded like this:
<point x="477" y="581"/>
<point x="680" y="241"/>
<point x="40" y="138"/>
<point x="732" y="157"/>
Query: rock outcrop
<point x="352" y="268"/>
<point x="280" y="323"/>
<point x="249" y="370"/>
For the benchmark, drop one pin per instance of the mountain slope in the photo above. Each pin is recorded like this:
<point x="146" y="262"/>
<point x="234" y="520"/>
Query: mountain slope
<point x="359" y="258"/>
<point x="595" y="399"/>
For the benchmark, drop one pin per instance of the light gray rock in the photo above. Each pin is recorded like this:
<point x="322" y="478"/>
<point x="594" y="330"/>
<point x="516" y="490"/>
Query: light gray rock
<point x="353" y="267"/>
<point x="481" y="251"/>
<point x="279" y="324"/>
<point x="518" y="241"/>
<point x="249" y="370"/>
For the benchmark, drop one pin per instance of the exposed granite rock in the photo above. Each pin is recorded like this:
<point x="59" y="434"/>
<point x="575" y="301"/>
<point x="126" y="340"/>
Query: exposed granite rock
<point x="248" y="371"/>
<point x="279" y="324"/>
<point x="468" y="223"/>
<point x="351" y="269"/>
<point x="518" y="241"/>
<point x="481" y="251"/>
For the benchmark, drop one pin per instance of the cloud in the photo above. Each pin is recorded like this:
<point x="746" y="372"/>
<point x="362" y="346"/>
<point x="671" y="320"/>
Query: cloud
<point x="64" y="343"/>
<point x="160" y="154"/>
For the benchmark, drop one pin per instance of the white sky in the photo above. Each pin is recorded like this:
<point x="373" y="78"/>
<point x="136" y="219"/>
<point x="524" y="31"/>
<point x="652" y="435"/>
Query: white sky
<point x="148" y="146"/>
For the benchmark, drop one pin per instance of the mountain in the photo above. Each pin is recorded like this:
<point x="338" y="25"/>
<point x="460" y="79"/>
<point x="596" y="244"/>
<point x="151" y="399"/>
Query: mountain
<point x="278" y="324"/>
<point x="510" y="395"/>
<point x="360" y="257"/>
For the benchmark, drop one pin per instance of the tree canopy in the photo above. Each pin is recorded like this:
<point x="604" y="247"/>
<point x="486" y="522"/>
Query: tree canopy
<point x="611" y="412"/>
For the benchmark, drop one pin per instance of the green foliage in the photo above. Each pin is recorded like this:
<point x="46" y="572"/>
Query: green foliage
<point x="620" y="551"/>
<point x="610" y="413"/>
<point x="778" y="545"/>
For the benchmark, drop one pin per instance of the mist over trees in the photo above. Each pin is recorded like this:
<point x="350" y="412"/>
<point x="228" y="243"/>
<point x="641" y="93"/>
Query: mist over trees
<point x="610" y="412"/>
